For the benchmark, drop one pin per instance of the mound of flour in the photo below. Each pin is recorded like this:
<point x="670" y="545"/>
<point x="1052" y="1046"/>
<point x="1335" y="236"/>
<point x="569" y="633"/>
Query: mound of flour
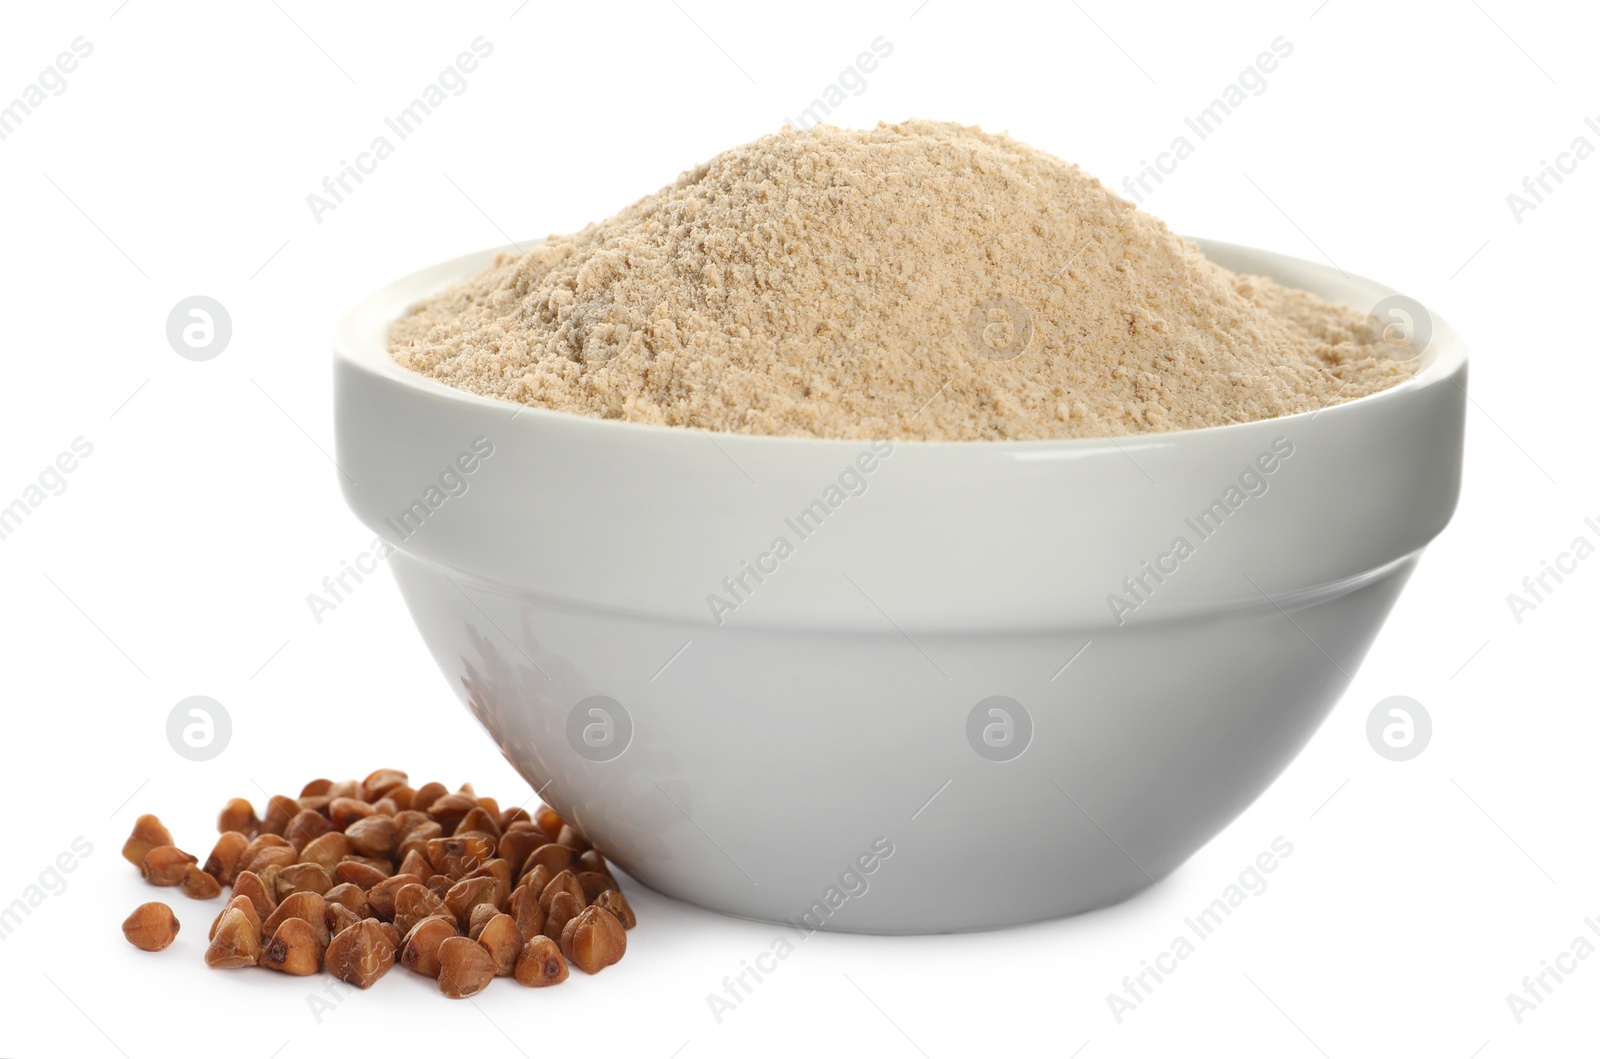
<point x="915" y="281"/>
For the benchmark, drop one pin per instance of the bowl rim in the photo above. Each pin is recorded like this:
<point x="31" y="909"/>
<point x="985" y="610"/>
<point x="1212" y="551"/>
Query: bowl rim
<point x="356" y="345"/>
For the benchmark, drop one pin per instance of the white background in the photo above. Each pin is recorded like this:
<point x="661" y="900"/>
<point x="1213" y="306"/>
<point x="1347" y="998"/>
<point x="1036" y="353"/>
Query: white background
<point x="178" y="559"/>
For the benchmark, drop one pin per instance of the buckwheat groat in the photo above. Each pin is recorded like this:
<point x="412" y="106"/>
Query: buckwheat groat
<point x="355" y="876"/>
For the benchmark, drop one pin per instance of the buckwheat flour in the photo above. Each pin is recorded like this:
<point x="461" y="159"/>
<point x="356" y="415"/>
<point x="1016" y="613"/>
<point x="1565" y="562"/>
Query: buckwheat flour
<point x="916" y="281"/>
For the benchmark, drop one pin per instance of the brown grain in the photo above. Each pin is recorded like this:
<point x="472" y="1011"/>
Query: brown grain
<point x="420" y="951"/>
<point x="502" y="941"/>
<point x="561" y="910"/>
<point x="593" y="940"/>
<point x="613" y="901"/>
<point x="242" y="903"/>
<point x="199" y="885"/>
<point x="309" y="908"/>
<point x="238" y="815"/>
<point x="148" y="833"/>
<point x="465" y="968"/>
<point x="296" y="948"/>
<point x="223" y="863"/>
<point x="166" y="865"/>
<point x="235" y="940"/>
<point x="360" y="954"/>
<point x="151" y="926"/>
<point x="540" y="963"/>
<point x="480" y="891"/>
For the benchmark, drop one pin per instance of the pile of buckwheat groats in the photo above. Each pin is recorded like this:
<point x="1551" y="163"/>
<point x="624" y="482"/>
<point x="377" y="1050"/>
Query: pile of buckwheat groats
<point x="354" y="875"/>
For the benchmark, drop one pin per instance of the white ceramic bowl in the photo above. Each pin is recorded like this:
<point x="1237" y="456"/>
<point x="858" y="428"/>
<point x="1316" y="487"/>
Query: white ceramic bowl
<point x="841" y="748"/>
